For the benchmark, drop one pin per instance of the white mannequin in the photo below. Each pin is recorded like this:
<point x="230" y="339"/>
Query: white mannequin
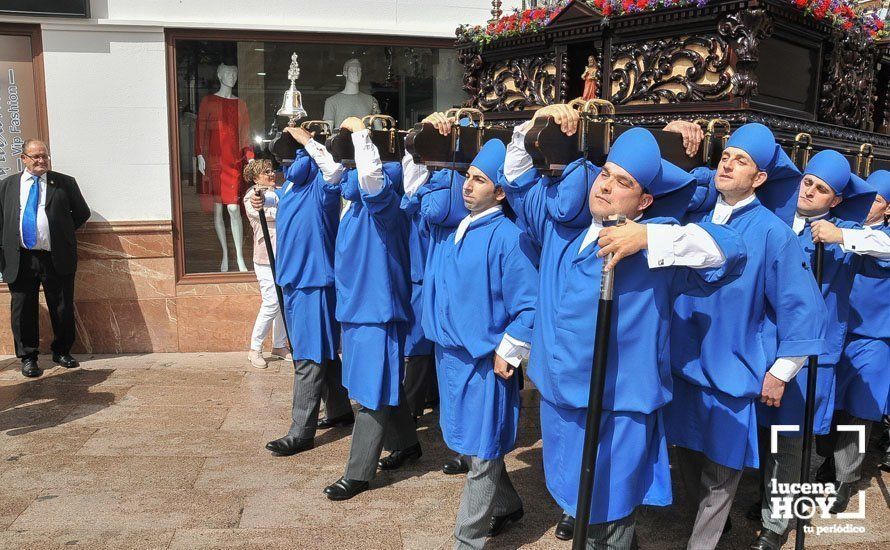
<point x="228" y="77"/>
<point x="350" y="102"/>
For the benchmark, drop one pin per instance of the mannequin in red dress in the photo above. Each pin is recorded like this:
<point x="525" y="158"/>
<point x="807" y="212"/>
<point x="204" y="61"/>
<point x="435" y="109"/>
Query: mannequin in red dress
<point x="222" y="145"/>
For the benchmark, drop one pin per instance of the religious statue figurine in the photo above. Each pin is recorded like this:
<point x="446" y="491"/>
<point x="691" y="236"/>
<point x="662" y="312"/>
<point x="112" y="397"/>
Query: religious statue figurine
<point x="589" y="77"/>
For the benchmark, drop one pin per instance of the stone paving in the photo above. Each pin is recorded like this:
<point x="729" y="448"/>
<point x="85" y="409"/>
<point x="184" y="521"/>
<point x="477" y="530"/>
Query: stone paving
<point x="166" y="451"/>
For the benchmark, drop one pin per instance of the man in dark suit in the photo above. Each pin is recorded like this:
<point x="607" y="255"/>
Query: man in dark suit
<point x="39" y="212"/>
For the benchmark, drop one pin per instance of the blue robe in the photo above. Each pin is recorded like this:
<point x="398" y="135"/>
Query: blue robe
<point x="418" y="245"/>
<point x="481" y="288"/>
<point x="722" y="346"/>
<point x="632" y="463"/>
<point x="838" y="271"/>
<point x="306" y="225"/>
<point x="863" y="373"/>
<point x="372" y="273"/>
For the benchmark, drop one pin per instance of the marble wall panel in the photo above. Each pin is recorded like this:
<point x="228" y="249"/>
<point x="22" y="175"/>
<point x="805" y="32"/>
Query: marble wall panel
<point x="216" y="323"/>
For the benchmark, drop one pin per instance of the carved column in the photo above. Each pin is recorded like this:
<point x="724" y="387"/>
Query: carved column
<point x="473" y="64"/>
<point x="743" y="31"/>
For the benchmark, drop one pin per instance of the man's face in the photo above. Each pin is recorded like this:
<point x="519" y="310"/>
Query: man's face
<point x="615" y="191"/>
<point x="480" y="193"/>
<point x="879" y="209"/>
<point x="354" y="73"/>
<point x="36" y="159"/>
<point x="815" y="197"/>
<point x="737" y="174"/>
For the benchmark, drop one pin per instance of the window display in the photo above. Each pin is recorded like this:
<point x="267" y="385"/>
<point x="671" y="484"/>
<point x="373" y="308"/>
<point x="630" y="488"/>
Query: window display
<point x="228" y="94"/>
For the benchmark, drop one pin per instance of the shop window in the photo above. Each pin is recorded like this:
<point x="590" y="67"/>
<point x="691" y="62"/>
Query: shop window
<point x="227" y="94"/>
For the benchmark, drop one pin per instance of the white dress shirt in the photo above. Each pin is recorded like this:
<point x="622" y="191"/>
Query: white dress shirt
<point x="680" y="245"/>
<point x="413" y="175"/>
<point x="367" y="162"/>
<point x="869" y="241"/>
<point x="27" y="182"/>
<point x="800" y="222"/>
<point x="331" y="170"/>
<point x="723" y="211"/>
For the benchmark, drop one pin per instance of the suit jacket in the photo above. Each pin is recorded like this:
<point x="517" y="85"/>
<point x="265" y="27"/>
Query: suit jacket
<point x="66" y="210"/>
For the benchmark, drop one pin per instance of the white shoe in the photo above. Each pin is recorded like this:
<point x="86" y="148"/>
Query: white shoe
<point x="256" y="359"/>
<point x="282" y="353"/>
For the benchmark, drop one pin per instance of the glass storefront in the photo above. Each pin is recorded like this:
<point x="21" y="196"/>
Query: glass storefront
<point x="228" y="93"/>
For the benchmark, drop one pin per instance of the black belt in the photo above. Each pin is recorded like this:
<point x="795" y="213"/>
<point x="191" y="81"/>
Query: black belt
<point x="34" y="251"/>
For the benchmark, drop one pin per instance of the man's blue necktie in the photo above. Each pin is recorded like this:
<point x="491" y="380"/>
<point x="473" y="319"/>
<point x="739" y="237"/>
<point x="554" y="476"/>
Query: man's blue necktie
<point x="29" y="217"/>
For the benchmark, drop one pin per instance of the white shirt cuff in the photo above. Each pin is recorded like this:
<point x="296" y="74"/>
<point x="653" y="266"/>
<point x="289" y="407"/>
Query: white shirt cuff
<point x="330" y="169"/>
<point x="367" y="162"/>
<point x="413" y="175"/>
<point x="866" y="242"/>
<point x="518" y="161"/>
<point x="786" y="368"/>
<point x="686" y="245"/>
<point x="513" y="351"/>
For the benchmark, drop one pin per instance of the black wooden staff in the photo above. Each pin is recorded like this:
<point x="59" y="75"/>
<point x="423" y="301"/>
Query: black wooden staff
<point x="810" y="406"/>
<point x="595" y="402"/>
<point x="264" y="224"/>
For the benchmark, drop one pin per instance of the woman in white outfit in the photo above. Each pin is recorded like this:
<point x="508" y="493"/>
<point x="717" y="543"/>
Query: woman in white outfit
<point x="261" y="174"/>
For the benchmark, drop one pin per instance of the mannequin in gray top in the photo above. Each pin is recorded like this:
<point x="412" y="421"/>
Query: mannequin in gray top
<point x="350" y="102"/>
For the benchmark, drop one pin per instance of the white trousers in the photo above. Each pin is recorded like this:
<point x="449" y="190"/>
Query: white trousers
<point x="269" y="315"/>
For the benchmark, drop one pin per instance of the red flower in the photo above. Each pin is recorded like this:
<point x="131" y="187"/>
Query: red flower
<point x="642" y="4"/>
<point x="880" y="25"/>
<point x="848" y="25"/>
<point x="607" y="9"/>
<point x="800" y="3"/>
<point x="598" y="3"/>
<point x="626" y="4"/>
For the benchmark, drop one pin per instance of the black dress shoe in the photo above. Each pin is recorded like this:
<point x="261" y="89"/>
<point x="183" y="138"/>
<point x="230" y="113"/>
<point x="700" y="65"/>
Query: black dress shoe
<point x="455" y="465"/>
<point x="754" y="511"/>
<point x="290" y="445"/>
<point x="825" y="473"/>
<point x="884" y="464"/>
<point x="396" y="458"/>
<point x="499" y="523"/>
<point x="65" y="360"/>
<point x="565" y="529"/>
<point x="768" y="540"/>
<point x="30" y="368"/>
<point x="345" y="489"/>
<point x="844" y="492"/>
<point x="341" y="421"/>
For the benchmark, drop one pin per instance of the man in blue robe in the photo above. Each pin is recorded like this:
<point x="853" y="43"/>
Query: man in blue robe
<point x="479" y="306"/>
<point x="419" y="365"/>
<point x="742" y="344"/>
<point x="863" y="372"/>
<point x="564" y="216"/>
<point x="308" y="210"/>
<point x="829" y="196"/>
<point x="372" y="274"/>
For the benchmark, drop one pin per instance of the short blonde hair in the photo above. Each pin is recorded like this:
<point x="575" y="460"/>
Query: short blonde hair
<point x="256" y="167"/>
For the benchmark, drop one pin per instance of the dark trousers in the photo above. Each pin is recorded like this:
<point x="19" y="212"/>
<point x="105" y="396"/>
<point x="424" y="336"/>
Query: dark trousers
<point x="36" y="269"/>
<point x="420" y="370"/>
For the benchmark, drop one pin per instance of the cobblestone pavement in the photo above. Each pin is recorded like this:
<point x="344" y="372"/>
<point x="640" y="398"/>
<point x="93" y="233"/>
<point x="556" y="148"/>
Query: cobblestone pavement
<point x="166" y="451"/>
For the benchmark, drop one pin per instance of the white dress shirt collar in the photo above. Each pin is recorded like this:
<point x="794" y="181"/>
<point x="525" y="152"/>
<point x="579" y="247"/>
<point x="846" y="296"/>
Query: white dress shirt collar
<point x="723" y="211"/>
<point x="465" y="223"/>
<point x="800" y="222"/>
<point x="593" y="233"/>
